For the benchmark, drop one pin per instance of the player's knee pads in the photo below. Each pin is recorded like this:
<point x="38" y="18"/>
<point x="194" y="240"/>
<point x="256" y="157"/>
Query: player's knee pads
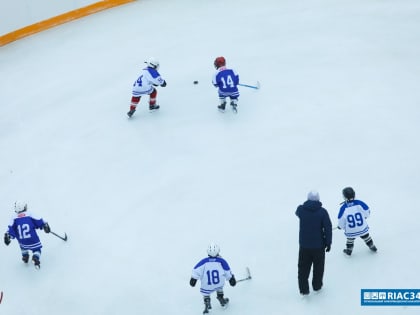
<point x="135" y="100"/>
<point x="365" y="236"/>
<point x="153" y="94"/>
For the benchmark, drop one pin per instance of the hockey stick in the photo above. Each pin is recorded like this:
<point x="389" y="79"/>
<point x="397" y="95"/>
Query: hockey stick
<point x="64" y="238"/>
<point x="257" y="86"/>
<point x="248" y="277"/>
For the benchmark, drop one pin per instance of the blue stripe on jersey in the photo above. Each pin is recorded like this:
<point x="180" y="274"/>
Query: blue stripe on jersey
<point x="208" y="292"/>
<point x="229" y="94"/>
<point x="364" y="231"/>
<point x="149" y="91"/>
<point x="218" y="259"/>
<point x="153" y="72"/>
<point x="31" y="246"/>
<point x="352" y="203"/>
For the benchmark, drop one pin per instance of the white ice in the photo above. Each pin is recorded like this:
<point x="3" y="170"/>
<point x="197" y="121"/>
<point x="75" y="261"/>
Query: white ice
<point x="140" y="199"/>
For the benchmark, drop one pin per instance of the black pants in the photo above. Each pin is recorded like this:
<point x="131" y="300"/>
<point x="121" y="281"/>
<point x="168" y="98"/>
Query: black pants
<point x="307" y="258"/>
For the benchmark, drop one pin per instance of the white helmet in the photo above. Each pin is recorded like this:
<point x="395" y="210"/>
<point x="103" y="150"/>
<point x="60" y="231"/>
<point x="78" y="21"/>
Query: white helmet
<point x="213" y="250"/>
<point x="152" y="63"/>
<point x="20" y="206"/>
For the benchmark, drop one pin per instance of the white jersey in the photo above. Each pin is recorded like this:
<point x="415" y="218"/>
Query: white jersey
<point x="212" y="272"/>
<point x="352" y="218"/>
<point x="144" y="85"/>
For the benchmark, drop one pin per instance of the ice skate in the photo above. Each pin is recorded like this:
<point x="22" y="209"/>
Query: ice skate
<point x="222" y="107"/>
<point x="153" y="108"/>
<point x="131" y="112"/>
<point x="223" y="301"/>
<point x="36" y="262"/>
<point x="25" y="258"/>
<point x="207" y="305"/>
<point x="347" y="251"/>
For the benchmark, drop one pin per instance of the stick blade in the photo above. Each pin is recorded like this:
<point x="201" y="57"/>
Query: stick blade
<point x="248" y="273"/>
<point x="64" y="238"/>
<point x="258" y="85"/>
<point x="247" y="277"/>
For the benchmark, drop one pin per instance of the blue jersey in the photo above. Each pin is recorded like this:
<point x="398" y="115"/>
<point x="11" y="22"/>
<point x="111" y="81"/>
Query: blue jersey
<point x="212" y="272"/>
<point x="352" y="218"/>
<point x="23" y="227"/>
<point x="226" y="80"/>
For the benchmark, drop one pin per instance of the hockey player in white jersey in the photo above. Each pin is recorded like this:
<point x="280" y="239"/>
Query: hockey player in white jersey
<point x="212" y="272"/>
<point x="352" y="219"/>
<point x="145" y="85"/>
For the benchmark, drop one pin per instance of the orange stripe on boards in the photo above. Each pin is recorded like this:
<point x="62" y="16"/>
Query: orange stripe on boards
<point x="60" y="19"/>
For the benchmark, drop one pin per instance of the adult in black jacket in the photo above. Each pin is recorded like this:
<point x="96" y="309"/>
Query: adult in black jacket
<point x="315" y="236"/>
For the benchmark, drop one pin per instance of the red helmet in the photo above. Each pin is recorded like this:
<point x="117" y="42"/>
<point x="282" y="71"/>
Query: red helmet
<point x="219" y="62"/>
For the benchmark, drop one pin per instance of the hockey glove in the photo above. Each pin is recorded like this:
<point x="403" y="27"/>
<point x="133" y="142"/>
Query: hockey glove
<point x="163" y="84"/>
<point x="6" y="239"/>
<point x="193" y="282"/>
<point x="47" y="228"/>
<point x="232" y="281"/>
<point x="327" y="248"/>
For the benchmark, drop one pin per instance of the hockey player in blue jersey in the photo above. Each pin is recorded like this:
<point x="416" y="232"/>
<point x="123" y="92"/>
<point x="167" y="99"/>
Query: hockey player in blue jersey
<point x="352" y="219"/>
<point x="226" y="80"/>
<point x="23" y="228"/>
<point x="145" y="85"/>
<point x="212" y="272"/>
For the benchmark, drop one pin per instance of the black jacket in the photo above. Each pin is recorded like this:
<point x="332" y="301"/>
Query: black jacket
<point x="315" y="225"/>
